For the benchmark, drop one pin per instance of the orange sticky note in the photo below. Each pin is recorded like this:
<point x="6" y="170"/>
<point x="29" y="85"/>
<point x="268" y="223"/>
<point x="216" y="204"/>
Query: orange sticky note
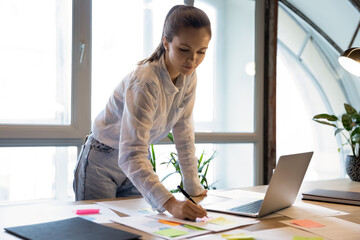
<point x="169" y="222"/>
<point x="307" y="223"/>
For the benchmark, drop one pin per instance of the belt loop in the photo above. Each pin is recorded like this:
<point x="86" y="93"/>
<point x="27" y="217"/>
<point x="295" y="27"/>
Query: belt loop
<point x="86" y="138"/>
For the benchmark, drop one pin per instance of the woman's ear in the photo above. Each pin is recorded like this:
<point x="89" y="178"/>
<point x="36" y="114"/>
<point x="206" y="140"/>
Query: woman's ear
<point x="165" y="44"/>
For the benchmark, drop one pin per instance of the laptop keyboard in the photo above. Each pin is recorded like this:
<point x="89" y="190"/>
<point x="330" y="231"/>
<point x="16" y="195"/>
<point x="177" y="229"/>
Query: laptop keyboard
<point x="252" y="207"/>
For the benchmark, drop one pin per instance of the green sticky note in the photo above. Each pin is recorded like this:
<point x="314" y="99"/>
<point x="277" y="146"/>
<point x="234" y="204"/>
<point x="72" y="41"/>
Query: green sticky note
<point x="170" y="232"/>
<point x="193" y="227"/>
<point x="239" y="236"/>
<point x="307" y="238"/>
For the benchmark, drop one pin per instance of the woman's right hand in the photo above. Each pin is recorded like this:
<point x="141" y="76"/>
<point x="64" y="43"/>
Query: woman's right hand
<point x="184" y="209"/>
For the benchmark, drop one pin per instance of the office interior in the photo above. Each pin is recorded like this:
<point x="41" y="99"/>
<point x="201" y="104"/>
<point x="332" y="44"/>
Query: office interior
<point x="270" y="67"/>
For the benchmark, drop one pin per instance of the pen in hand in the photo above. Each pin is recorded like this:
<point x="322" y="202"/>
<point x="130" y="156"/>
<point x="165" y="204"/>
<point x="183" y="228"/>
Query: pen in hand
<point x="186" y="194"/>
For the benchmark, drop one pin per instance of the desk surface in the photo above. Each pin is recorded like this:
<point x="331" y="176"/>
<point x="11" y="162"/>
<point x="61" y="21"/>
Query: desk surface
<point x="27" y="214"/>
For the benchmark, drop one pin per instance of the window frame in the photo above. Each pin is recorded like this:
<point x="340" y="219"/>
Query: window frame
<point x="21" y="135"/>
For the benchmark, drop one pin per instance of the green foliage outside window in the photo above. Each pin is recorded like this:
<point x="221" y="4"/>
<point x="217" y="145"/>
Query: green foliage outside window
<point x="203" y="166"/>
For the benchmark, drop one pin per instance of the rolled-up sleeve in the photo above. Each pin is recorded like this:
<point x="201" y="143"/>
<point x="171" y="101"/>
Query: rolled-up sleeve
<point x="184" y="138"/>
<point x="137" y="121"/>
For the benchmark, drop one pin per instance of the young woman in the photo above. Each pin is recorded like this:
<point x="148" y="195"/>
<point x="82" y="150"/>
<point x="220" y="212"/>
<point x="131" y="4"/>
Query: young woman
<point x="157" y="97"/>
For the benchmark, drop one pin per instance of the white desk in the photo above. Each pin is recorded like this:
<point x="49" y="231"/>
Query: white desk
<point x="28" y="214"/>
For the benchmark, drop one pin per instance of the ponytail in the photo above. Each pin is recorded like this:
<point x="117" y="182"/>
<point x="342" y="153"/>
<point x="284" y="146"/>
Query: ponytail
<point x="178" y="17"/>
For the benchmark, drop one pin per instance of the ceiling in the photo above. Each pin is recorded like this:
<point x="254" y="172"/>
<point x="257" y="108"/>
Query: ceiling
<point x="336" y="20"/>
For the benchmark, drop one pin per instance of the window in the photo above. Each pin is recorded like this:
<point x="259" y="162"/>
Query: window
<point x="310" y="81"/>
<point x="63" y="49"/>
<point x="44" y="86"/>
<point x="36" y="60"/>
<point x="36" y="173"/>
<point x="224" y="113"/>
<point x="230" y="160"/>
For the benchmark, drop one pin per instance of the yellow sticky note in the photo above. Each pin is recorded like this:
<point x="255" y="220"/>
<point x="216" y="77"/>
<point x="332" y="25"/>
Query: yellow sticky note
<point x="170" y="232"/>
<point x="240" y="236"/>
<point x="220" y="221"/>
<point x="306" y="238"/>
<point x="146" y="211"/>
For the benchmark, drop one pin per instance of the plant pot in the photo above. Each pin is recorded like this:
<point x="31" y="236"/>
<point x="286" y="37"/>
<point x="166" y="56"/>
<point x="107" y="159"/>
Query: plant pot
<point x="352" y="166"/>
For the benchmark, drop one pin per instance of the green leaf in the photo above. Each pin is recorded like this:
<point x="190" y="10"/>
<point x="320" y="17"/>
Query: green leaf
<point x="168" y="176"/>
<point x="207" y="162"/>
<point x="206" y="170"/>
<point x="200" y="159"/>
<point x="338" y="131"/>
<point x="171" y="137"/>
<point x="326" y="116"/>
<point x="153" y="158"/>
<point x="173" y="155"/>
<point x="326" y="123"/>
<point x="204" y="180"/>
<point x="349" y="109"/>
<point x="355" y="135"/>
<point x="170" y="161"/>
<point x="346" y="121"/>
<point x="356" y="118"/>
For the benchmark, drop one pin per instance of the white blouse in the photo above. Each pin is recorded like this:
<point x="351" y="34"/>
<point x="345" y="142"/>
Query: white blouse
<point x="143" y="109"/>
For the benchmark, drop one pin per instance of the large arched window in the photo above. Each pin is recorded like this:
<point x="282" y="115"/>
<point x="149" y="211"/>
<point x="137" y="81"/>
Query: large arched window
<point x="310" y="81"/>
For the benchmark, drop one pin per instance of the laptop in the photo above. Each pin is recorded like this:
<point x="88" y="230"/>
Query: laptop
<point x="281" y="193"/>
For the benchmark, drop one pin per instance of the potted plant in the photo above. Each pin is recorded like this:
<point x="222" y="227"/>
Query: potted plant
<point x="203" y="166"/>
<point x="350" y="129"/>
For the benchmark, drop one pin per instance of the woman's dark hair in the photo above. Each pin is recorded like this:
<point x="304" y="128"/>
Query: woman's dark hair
<point x="178" y="17"/>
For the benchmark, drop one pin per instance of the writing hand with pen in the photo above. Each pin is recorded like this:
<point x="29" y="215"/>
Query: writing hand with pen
<point x="185" y="209"/>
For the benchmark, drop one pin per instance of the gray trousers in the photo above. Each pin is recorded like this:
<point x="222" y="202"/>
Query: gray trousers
<point x="97" y="173"/>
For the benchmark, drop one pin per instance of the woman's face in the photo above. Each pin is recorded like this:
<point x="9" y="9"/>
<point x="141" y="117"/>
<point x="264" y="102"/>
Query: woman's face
<point x="186" y="51"/>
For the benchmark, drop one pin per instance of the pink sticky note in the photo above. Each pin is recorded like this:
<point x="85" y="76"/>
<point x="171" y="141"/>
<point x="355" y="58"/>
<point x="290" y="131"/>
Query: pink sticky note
<point x="203" y="219"/>
<point x="87" y="211"/>
<point x="307" y="223"/>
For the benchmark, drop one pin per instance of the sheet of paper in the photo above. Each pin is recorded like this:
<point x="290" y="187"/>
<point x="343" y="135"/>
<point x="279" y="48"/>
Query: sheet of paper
<point x="105" y="214"/>
<point x="49" y="213"/>
<point x="237" y="194"/>
<point x="161" y="228"/>
<point x="285" y="233"/>
<point x="305" y="210"/>
<point x="214" y="221"/>
<point x="333" y="228"/>
<point x="131" y="207"/>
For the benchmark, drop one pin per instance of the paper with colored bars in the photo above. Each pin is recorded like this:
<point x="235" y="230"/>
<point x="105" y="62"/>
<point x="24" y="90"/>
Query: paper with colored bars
<point x="168" y="227"/>
<point x="214" y="221"/>
<point x="162" y="228"/>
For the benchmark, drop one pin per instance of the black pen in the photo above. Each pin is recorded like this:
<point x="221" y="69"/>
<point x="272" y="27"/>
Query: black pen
<point x="186" y="194"/>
